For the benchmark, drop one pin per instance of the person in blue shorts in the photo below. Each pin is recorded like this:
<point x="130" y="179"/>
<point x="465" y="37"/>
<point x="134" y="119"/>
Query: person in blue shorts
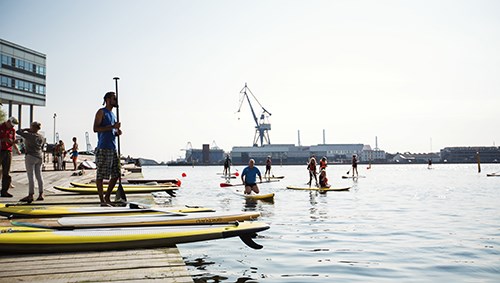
<point x="74" y="153"/>
<point x="249" y="177"/>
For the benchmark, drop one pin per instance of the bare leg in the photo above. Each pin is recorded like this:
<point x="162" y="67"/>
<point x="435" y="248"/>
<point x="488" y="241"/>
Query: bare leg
<point x="98" y="183"/>
<point x="248" y="190"/>
<point x="111" y="185"/>
<point x="255" y="189"/>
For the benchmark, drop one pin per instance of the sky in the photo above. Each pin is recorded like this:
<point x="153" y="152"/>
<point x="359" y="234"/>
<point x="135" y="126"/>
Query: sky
<point x="418" y="75"/>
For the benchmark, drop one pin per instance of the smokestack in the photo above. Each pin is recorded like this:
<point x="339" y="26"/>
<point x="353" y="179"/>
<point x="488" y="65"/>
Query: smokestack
<point x="324" y="139"/>
<point x="376" y="142"/>
<point x="298" y="135"/>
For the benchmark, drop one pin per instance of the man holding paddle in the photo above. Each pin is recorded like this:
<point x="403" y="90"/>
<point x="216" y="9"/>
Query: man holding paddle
<point x="107" y="160"/>
<point x="249" y="177"/>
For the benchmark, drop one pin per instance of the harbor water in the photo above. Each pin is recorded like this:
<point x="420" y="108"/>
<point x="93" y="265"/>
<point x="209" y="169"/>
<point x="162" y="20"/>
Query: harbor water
<point x="401" y="223"/>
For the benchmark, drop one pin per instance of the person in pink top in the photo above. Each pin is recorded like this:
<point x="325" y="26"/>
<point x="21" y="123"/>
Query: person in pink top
<point x="7" y="140"/>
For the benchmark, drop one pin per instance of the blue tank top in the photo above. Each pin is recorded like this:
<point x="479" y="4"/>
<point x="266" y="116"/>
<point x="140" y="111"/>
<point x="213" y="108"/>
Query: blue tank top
<point x="107" y="140"/>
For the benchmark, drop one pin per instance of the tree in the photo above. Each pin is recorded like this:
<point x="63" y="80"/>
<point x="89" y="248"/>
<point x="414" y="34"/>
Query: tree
<point x="2" y="116"/>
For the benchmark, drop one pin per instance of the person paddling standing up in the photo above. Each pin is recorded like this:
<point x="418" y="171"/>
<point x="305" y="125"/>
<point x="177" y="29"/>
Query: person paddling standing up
<point x="7" y="141"/>
<point x="268" y="168"/>
<point x="227" y="168"/>
<point x="354" y="165"/>
<point x="249" y="177"/>
<point x="106" y="156"/>
<point x="311" y="166"/>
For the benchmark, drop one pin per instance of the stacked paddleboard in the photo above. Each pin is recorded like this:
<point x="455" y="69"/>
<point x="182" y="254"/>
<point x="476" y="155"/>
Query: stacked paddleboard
<point x="136" y="188"/>
<point x="14" y="240"/>
<point x="90" y="228"/>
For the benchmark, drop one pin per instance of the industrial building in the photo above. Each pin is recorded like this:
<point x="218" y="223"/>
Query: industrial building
<point x="292" y="154"/>
<point x="487" y="154"/>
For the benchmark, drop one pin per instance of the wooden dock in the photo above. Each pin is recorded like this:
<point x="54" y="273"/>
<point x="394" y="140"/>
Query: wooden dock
<point x="162" y="264"/>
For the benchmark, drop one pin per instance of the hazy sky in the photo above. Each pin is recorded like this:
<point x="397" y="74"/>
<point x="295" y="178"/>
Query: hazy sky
<point x="409" y="72"/>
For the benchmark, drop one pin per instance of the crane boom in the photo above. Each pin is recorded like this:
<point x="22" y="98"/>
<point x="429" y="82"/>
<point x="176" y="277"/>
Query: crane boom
<point x="261" y="127"/>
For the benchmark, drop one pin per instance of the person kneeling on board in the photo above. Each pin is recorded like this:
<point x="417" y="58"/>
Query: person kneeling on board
<point x="249" y="177"/>
<point x="323" y="180"/>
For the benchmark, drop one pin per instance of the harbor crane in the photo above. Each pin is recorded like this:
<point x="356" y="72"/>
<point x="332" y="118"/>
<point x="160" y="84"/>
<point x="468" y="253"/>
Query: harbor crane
<point x="89" y="146"/>
<point x="262" y="125"/>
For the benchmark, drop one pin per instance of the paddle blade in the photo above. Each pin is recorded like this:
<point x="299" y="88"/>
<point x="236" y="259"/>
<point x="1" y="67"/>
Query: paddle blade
<point x="120" y="193"/>
<point x="223" y="185"/>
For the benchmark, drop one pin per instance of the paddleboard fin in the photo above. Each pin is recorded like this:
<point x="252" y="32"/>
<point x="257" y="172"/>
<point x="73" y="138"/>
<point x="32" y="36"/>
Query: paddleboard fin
<point x="247" y="239"/>
<point x="170" y="192"/>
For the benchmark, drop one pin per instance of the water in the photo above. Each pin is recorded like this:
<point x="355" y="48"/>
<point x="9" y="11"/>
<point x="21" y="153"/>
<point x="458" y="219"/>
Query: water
<point x="400" y="223"/>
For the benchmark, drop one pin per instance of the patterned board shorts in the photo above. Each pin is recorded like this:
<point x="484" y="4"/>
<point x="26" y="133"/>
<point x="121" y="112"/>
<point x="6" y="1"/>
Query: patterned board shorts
<point x="108" y="164"/>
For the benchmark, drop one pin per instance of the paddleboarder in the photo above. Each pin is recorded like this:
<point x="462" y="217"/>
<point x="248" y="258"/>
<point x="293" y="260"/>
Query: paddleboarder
<point x="268" y="168"/>
<point x="311" y="167"/>
<point x="323" y="163"/>
<point x="106" y="156"/>
<point x="323" y="180"/>
<point x="227" y="168"/>
<point x="354" y="165"/>
<point x="249" y="177"/>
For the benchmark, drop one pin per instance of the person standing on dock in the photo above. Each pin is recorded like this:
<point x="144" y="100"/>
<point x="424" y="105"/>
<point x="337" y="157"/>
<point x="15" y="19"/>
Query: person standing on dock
<point x="249" y="177"/>
<point x="7" y="141"/>
<point x="311" y="167"/>
<point x="33" y="143"/>
<point x="354" y="165"/>
<point x="268" y="168"/>
<point x="60" y="152"/>
<point x="74" y="153"/>
<point x="106" y="156"/>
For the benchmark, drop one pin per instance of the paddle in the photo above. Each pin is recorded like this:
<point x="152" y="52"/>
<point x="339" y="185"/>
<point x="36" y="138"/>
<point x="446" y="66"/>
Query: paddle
<point x="120" y="192"/>
<point x="222" y="185"/>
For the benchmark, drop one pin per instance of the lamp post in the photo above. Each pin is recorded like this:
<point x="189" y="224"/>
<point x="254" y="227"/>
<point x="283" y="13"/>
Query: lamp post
<point x="55" y="128"/>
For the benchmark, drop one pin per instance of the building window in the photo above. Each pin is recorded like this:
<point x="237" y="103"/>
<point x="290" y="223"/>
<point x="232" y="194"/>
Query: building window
<point x="5" y="60"/>
<point x="6" y="82"/>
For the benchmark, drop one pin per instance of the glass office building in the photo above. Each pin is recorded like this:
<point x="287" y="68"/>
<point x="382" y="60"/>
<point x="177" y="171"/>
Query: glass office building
<point x="22" y="78"/>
